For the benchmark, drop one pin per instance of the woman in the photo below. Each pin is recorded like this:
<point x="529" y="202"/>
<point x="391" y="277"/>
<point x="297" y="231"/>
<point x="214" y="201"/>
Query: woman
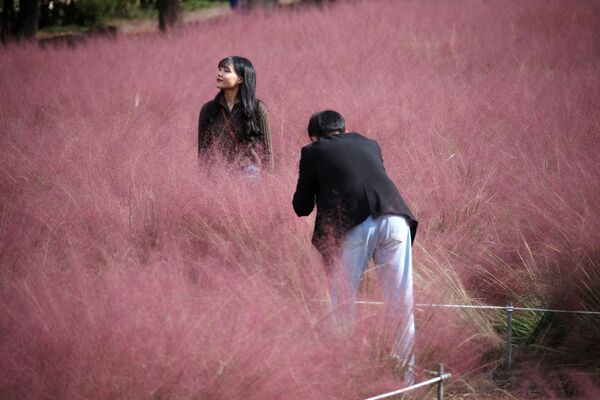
<point x="235" y="122"/>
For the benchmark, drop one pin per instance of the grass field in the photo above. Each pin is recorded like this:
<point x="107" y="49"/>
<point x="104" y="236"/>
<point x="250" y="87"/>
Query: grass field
<point x="127" y="272"/>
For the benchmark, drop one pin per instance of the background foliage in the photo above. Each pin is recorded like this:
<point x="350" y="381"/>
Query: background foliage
<point x="94" y="12"/>
<point x="128" y="272"/>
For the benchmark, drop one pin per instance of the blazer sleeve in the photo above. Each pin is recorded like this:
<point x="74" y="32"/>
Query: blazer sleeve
<point x="378" y="149"/>
<point x="306" y="188"/>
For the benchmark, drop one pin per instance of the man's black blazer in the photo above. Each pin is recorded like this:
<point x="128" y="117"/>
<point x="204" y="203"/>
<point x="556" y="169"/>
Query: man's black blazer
<point x="345" y="176"/>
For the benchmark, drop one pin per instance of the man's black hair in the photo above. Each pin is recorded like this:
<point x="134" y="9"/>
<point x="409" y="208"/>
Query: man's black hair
<point x="323" y="122"/>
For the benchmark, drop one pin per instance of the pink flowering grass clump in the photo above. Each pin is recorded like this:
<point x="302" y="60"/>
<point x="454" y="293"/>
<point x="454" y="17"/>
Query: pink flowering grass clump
<point x="128" y="271"/>
<point x="156" y="331"/>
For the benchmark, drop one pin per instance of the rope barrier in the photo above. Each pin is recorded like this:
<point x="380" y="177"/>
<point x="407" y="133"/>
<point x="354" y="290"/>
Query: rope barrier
<point x="413" y="387"/>
<point x="511" y="308"/>
<point x="508" y="308"/>
<point x="558" y="311"/>
<point x="486" y="307"/>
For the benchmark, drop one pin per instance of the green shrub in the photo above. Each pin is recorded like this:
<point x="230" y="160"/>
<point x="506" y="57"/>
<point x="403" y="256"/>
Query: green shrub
<point x="90" y="12"/>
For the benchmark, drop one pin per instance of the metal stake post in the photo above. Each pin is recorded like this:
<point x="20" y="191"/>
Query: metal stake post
<point x="509" y="311"/>
<point x="440" y="395"/>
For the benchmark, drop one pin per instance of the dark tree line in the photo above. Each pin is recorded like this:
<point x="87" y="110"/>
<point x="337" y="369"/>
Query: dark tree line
<point x="21" y="22"/>
<point x="19" y="19"/>
<point x="168" y="13"/>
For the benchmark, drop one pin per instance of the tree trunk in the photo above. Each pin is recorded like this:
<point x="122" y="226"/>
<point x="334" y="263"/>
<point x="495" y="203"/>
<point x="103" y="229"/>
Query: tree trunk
<point x="27" y="21"/>
<point x="7" y="20"/>
<point x="168" y="13"/>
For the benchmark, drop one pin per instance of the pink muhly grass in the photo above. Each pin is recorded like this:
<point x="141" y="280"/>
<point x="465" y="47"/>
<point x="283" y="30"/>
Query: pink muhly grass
<point x="127" y="271"/>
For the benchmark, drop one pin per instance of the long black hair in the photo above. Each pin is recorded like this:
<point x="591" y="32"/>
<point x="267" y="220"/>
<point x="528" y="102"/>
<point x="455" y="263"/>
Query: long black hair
<point x="244" y="68"/>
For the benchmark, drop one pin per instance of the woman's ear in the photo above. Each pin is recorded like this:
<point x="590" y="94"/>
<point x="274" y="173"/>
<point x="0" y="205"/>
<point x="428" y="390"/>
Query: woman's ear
<point x="240" y="80"/>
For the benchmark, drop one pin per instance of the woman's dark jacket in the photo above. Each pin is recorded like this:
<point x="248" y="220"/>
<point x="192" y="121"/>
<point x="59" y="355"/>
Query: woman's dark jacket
<point x="226" y="130"/>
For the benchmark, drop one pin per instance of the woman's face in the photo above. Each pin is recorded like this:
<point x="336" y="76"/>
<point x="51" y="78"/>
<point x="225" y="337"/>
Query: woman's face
<point x="227" y="78"/>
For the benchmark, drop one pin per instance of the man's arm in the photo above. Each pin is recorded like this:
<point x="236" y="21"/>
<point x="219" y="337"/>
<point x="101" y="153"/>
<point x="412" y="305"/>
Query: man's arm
<point x="304" y="197"/>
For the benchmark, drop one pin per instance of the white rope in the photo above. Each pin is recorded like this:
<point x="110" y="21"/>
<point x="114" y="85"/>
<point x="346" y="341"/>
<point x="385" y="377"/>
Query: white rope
<point x="506" y="308"/>
<point x="413" y="387"/>
<point x="558" y="311"/>
<point x="510" y="308"/>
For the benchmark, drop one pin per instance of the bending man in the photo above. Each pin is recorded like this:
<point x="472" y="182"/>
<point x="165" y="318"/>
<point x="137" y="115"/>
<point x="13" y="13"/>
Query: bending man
<point x="361" y="216"/>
